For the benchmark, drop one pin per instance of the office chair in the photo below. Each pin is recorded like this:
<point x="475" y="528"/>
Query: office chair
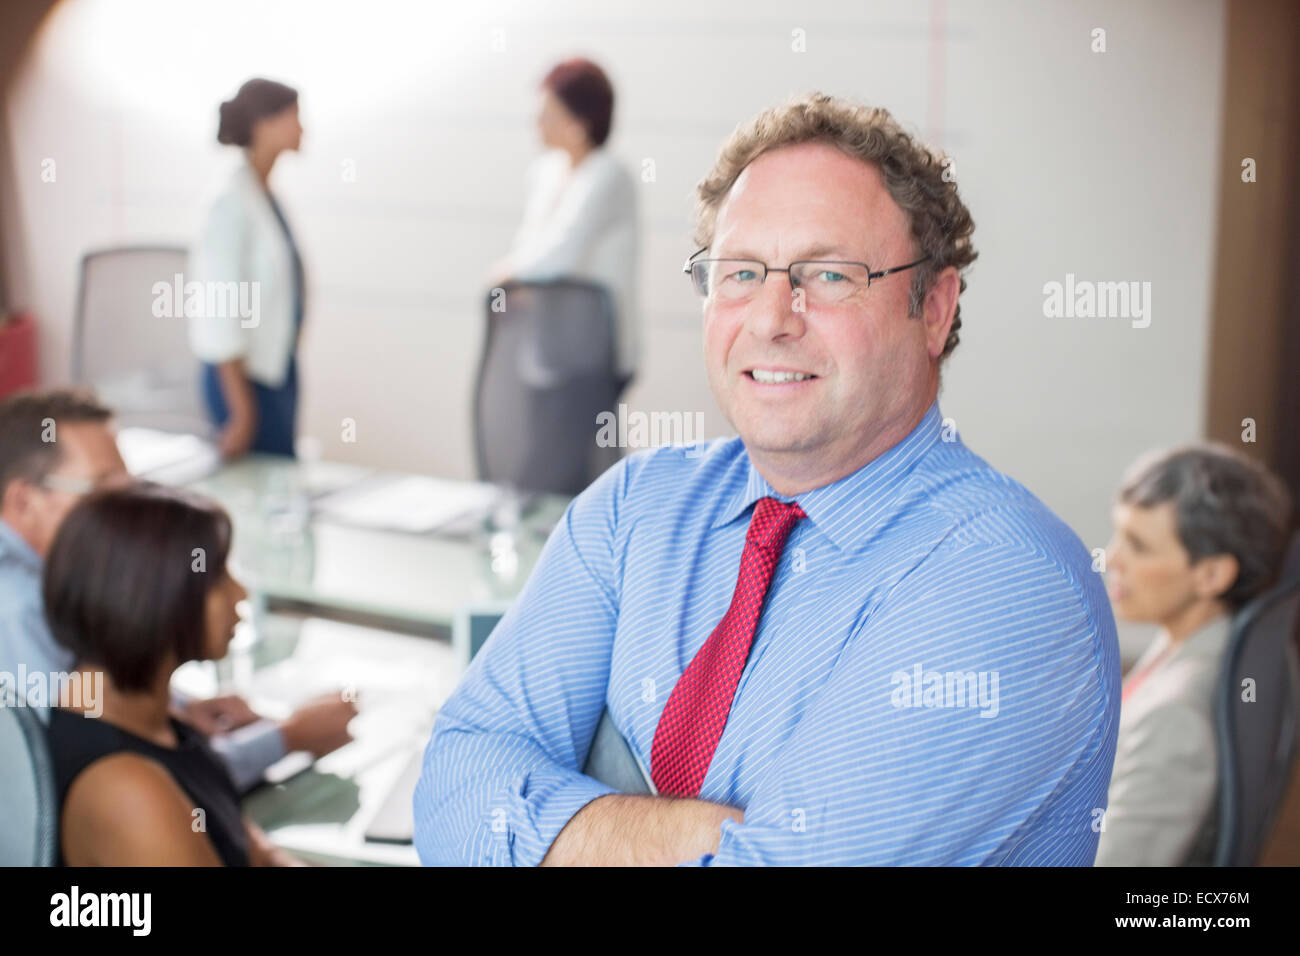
<point x="140" y="364"/>
<point x="547" y="371"/>
<point x="28" y="825"/>
<point x="1256" y="738"/>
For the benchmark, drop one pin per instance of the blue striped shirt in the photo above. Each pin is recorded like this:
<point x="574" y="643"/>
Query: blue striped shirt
<point x="934" y="680"/>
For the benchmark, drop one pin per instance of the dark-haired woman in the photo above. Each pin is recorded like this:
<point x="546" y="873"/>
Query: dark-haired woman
<point x="580" y="217"/>
<point x="135" y="585"/>
<point x="246" y="334"/>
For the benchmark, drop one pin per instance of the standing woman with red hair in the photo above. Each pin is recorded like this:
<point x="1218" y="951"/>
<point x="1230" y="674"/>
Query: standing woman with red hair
<point x="580" y="220"/>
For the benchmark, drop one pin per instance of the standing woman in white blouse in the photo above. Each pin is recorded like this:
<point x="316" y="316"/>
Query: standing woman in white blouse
<point x="250" y="370"/>
<point x="580" y="220"/>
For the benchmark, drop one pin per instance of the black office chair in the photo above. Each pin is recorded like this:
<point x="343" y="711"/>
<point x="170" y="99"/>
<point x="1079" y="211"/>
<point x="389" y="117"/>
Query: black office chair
<point x="1256" y="737"/>
<point x="140" y="364"/>
<point x="28" y="824"/>
<point x="1291" y="563"/>
<point x="547" y="371"/>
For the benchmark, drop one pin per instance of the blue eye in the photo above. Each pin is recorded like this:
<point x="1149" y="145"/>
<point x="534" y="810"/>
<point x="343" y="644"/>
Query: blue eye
<point x="830" y="277"/>
<point x="743" y="275"/>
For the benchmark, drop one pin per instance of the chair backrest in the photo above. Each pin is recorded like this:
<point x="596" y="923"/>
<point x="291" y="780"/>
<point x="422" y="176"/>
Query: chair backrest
<point x="29" y="821"/>
<point x="1291" y="561"/>
<point x="1256" y="723"/>
<point x="139" y="363"/>
<point x="547" y="371"/>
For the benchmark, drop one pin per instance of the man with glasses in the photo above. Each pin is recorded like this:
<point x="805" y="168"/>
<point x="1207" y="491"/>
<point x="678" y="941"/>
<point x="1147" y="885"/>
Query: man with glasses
<point x="55" y="447"/>
<point x="838" y="638"/>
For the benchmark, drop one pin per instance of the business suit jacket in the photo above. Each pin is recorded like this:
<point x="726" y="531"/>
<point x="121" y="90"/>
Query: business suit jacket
<point x="1164" y="788"/>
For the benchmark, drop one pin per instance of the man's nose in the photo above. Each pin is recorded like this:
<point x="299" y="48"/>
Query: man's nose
<point x="778" y="308"/>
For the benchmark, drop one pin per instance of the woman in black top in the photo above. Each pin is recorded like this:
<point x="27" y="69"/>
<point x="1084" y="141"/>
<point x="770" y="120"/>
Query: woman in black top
<point x="135" y="585"/>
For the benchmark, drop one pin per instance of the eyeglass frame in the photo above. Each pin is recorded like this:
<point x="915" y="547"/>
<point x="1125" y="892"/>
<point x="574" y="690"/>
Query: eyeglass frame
<point x="691" y="262"/>
<point x="70" y="484"/>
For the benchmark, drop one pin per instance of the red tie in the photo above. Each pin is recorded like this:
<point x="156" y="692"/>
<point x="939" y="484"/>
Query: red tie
<point x="697" y="709"/>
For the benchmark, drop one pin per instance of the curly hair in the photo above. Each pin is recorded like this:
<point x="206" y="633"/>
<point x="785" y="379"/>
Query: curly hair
<point x="913" y="174"/>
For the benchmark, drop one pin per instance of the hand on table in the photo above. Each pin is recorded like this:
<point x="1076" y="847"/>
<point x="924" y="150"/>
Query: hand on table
<point x="320" y="725"/>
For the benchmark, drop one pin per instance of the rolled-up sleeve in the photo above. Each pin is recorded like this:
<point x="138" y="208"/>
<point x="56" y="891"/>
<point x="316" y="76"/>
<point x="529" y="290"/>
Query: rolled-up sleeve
<point x="218" y="256"/>
<point x="249" y="751"/>
<point x="501" y="772"/>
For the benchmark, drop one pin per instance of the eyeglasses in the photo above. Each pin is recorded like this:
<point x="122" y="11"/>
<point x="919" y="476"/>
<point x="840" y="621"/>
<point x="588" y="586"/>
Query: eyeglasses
<point x="70" y="485"/>
<point x="824" y="282"/>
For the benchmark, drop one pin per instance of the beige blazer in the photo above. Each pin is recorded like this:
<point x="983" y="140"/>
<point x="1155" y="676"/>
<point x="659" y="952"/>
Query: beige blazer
<point x="1164" y="787"/>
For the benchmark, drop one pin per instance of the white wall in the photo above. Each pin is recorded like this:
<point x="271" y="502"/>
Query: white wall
<point x="1102" y="165"/>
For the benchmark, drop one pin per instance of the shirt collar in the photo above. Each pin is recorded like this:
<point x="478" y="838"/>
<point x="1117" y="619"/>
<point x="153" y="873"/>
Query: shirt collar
<point x="848" y="510"/>
<point x="13" y="544"/>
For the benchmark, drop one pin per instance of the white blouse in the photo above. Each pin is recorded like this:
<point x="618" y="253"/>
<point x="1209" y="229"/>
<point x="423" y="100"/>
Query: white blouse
<point x="243" y="242"/>
<point x="582" y="223"/>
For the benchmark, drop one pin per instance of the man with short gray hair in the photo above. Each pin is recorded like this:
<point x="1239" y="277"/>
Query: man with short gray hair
<point x="55" y="447"/>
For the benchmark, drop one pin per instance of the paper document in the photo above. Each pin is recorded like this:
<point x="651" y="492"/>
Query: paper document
<point x="166" y="456"/>
<point x="413" y="503"/>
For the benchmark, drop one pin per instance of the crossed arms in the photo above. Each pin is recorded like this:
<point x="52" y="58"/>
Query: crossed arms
<point x="501" y="783"/>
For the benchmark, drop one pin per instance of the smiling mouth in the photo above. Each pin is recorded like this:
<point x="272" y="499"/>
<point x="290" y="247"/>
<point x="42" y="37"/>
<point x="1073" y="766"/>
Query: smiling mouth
<point x="771" y="377"/>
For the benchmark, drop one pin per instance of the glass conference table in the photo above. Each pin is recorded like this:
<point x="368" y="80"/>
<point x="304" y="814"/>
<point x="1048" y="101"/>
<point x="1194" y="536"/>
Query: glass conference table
<point x="320" y="811"/>
<point x="292" y="553"/>
<point x="338" y="603"/>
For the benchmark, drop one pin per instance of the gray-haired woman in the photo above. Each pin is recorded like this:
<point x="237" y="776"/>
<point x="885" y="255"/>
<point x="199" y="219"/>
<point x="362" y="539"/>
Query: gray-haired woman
<point x="1199" y="531"/>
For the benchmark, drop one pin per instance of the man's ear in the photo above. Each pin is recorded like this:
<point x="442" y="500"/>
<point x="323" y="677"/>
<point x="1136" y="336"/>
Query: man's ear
<point x="939" y="309"/>
<point x="14" y="499"/>
<point x="20" y="510"/>
<point x="1214" y="576"/>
